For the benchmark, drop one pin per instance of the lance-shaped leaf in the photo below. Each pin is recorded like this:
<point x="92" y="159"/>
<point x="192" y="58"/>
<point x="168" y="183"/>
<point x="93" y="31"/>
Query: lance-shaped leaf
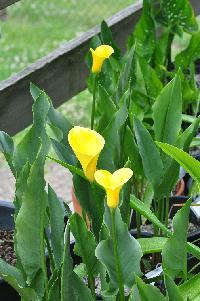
<point x="178" y="13"/>
<point x="105" y="101"/>
<point x="27" y="149"/>
<point x="152" y="245"/>
<point x="174" y="253"/>
<point x="142" y="209"/>
<point x="191" y="53"/>
<point x="129" y="253"/>
<point x="152" y="82"/>
<point x="55" y="118"/>
<point x="107" y="39"/>
<point x="144" y="34"/>
<point x="167" y="112"/>
<point x="131" y="152"/>
<point x="173" y="292"/>
<point x="15" y="278"/>
<point x="67" y="291"/>
<point x="72" y="287"/>
<point x="91" y="199"/>
<point x="71" y="168"/>
<point x="172" y="172"/>
<point x="190" y="290"/>
<point x="191" y="165"/>
<point x="85" y="250"/>
<point x="64" y="152"/>
<point x="127" y="75"/>
<point x="7" y="148"/>
<point x="151" y="160"/>
<point x="148" y="292"/>
<point x="30" y="220"/>
<point x="112" y="139"/>
<point x="56" y="214"/>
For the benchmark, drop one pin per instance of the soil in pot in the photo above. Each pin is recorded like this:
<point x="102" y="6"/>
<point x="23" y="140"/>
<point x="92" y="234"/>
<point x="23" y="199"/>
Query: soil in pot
<point x="7" y="252"/>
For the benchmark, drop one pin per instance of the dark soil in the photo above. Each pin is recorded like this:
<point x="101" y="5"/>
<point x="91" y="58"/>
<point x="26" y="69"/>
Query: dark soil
<point x="7" y="246"/>
<point x="191" y="227"/>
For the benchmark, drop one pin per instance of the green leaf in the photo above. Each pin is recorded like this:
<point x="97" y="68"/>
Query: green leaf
<point x="30" y="220"/>
<point x="21" y="183"/>
<point x="167" y="112"/>
<point x="152" y="245"/>
<point x="144" y="33"/>
<point x="172" y="172"/>
<point x="7" y="148"/>
<point x="173" y="291"/>
<point x="56" y="214"/>
<point x="143" y="210"/>
<point x="131" y="152"/>
<point x="112" y="139"/>
<point x="105" y="101"/>
<point x="148" y="292"/>
<point x="107" y="39"/>
<point x="81" y="291"/>
<point x="64" y="152"/>
<point x="91" y="199"/>
<point x="191" y="165"/>
<point x="188" y="118"/>
<point x="185" y="139"/>
<point x="14" y="277"/>
<point x="27" y="149"/>
<point x="191" y="289"/>
<point x="152" y="82"/>
<point x="71" y="168"/>
<point x="152" y="163"/>
<point x="129" y="253"/>
<point x="72" y="287"/>
<point x="190" y="54"/>
<point x="55" y="118"/>
<point x="54" y="291"/>
<point x="35" y="91"/>
<point x="127" y="75"/>
<point x="178" y="13"/>
<point x="85" y="250"/>
<point x="67" y="273"/>
<point x="174" y="253"/>
<point x="160" y="54"/>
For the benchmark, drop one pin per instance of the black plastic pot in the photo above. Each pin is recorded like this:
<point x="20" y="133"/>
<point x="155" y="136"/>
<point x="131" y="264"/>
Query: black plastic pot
<point x="7" y="210"/>
<point x="7" y="293"/>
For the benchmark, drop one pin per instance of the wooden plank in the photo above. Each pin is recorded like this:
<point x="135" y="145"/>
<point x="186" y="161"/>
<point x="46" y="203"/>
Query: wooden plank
<point x="5" y="3"/>
<point x="62" y="73"/>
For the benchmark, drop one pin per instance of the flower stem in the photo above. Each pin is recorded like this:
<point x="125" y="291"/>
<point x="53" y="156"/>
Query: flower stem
<point x="93" y="102"/>
<point x="167" y="211"/>
<point x="117" y="262"/>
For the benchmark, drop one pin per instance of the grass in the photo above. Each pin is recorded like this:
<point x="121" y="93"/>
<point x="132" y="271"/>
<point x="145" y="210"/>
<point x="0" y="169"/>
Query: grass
<point x="34" y="28"/>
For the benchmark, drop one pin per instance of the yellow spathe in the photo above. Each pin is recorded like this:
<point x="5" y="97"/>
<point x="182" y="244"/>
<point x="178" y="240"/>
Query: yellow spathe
<point x="87" y="145"/>
<point x="99" y="55"/>
<point x="113" y="183"/>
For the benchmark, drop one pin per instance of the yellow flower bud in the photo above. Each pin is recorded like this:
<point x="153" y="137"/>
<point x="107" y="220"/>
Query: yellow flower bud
<point x="99" y="55"/>
<point x="113" y="183"/>
<point x="87" y="145"/>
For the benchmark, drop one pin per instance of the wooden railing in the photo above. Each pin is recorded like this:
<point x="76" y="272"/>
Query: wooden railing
<point x="62" y="73"/>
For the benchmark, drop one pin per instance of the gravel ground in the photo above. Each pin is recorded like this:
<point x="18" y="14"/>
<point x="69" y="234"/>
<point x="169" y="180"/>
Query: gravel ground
<point x="58" y="177"/>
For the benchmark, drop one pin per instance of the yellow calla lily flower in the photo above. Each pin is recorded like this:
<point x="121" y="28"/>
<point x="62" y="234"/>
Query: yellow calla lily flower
<point x="113" y="183"/>
<point x="99" y="55"/>
<point x="87" y="145"/>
